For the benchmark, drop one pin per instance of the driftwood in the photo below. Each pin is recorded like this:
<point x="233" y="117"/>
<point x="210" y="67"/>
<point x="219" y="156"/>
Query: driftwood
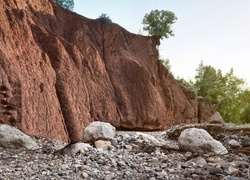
<point x="218" y="131"/>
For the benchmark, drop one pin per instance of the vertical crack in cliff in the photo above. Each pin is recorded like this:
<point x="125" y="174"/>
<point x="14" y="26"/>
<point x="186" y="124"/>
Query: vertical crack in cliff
<point x="104" y="26"/>
<point x="48" y="44"/>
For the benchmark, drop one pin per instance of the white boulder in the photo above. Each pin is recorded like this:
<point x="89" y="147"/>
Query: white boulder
<point x="98" y="130"/>
<point x="72" y="149"/>
<point x="200" y="141"/>
<point x="10" y="137"/>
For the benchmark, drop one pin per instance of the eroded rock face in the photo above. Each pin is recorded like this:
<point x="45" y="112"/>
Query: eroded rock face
<point x="60" y="71"/>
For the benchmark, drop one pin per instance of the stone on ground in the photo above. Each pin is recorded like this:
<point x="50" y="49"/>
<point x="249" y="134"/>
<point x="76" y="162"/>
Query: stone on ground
<point x="246" y="142"/>
<point x="233" y="143"/>
<point x="103" y="144"/>
<point x="148" y="138"/>
<point x="13" y="138"/>
<point x="72" y="149"/>
<point x="98" y="130"/>
<point x="200" y="141"/>
<point x="216" y="118"/>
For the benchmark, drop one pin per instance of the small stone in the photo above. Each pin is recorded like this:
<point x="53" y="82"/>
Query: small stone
<point x="215" y="171"/>
<point x="148" y="138"/>
<point x="162" y="173"/>
<point x="187" y="175"/>
<point x="132" y="166"/>
<point x="232" y="170"/>
<point x="128" y="147"/>
<point x="200" y="161"/>
<point x="102" y="144"/>
<point x="233" y="143"/>
<point x="114" y="142"/>
<point x="188" y="154"/>
<point x="184" y="166"/>
<point x="121" y="163"/>
<point x="195" y="176"/>
<point x="109" y="176"/>
<point x="140" y="170"/>
<point x="85" y="175"/>
<point x="214" y="159"/>
<point x="246" y="142"/>
<point x="172" y="171"/>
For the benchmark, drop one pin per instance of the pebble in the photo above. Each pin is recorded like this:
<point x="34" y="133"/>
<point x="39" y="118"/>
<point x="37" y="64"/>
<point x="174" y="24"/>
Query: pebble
<point x="232" y="170"/>
<point x="216" y="171"/>
<point x="246" y="142"/>
<point x="187" y="175"/>
<point x="233" y="143"/>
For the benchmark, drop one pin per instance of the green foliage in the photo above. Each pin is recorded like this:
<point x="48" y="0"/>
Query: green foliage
<point x="104" y="18"/>
<point x="67" y="4"/>
<point x="226" y="92"/>
<point x="158" y="23"/>
<point x="166" y="63"/>
<point x="189" y="84"/>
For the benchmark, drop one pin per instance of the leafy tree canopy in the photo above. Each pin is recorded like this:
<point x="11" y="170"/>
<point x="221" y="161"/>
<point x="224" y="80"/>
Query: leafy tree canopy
<point x="226" y="92"/>
<point x="158" y="23"/>
<point x="104" y="18"/>
<point x="67" y="4"/>
<point x="166" y="63"/>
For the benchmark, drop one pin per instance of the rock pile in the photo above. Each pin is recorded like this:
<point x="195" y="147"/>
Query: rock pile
<point x="131" y="155"/>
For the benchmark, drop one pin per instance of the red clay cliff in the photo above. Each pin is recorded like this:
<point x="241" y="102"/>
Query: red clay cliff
<point x="59" y="71"/>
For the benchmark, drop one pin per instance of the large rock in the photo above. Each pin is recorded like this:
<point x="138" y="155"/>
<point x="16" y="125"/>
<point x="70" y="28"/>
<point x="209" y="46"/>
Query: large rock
<point x="200" y="141"/>
<point x="13" y="138"/>
<point x="60" y="71"/>
<point x="216" y="118"/>
<point x="98" y="130"/>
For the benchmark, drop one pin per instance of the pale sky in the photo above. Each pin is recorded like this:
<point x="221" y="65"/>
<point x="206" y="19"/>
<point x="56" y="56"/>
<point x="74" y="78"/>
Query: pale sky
<point x="215" y="31"/>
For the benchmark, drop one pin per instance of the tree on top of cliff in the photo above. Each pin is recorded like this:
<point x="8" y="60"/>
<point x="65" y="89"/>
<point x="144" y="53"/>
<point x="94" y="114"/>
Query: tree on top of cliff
<point x="67" y="4"/>
<point x="104" y="18"/>
<point x="158" y="23"/>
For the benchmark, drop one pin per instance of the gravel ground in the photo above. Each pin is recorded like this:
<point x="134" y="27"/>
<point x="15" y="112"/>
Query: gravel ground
<point x="132" y="157"/>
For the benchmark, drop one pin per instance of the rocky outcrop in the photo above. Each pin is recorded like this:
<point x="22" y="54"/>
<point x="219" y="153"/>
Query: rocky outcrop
<point x="60" y="71"/>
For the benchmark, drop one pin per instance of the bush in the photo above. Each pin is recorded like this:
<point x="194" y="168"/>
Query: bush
<point x="104" y="18"/>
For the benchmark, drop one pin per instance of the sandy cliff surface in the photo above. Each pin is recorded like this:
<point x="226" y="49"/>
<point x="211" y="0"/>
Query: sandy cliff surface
<point x="60" y="71"/>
